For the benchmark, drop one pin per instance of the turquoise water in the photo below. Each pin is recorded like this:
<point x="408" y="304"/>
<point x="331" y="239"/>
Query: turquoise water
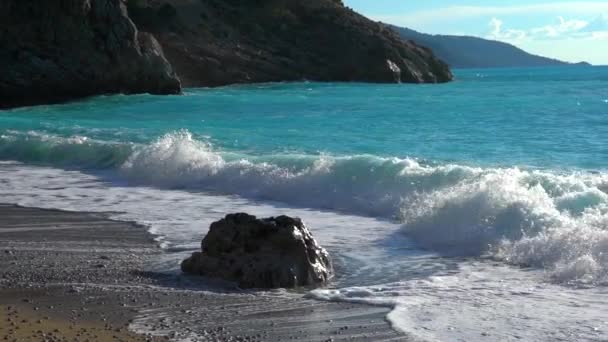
<point x="484" y="197"/>
<point x="544" y="118"/>
<point x="498" y="154"/>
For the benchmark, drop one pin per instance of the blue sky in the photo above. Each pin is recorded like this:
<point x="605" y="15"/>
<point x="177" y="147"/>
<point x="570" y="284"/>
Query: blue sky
<point x="569" y="30"/>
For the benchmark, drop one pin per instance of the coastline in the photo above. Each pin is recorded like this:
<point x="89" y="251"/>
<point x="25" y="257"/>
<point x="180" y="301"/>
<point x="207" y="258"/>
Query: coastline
<point x="71" y="275"/>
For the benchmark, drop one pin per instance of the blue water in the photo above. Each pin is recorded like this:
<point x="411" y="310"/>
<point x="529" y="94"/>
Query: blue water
<point x="545" y="118"/>
<point x="507" y="165"/>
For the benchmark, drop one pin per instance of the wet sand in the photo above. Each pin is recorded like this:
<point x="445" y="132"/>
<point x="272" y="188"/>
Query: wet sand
<point x="68" y="276"/>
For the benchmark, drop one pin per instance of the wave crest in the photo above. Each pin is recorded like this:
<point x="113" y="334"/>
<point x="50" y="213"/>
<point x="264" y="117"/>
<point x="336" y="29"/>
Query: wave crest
<point x="531" y="218"/>
<point x="75" y="151"/>
<point x="554" y="220"/>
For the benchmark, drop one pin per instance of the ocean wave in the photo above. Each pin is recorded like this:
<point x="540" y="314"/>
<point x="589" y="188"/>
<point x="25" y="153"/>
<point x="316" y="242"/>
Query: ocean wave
<point x="74" y="151"/>
<point x="541" y="219"/>
<point x="548" y="219"/>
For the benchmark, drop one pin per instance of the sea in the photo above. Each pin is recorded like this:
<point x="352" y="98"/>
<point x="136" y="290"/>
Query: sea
<point x="475" y="210"/>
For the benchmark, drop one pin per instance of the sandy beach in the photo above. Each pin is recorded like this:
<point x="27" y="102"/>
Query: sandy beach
<point x="68" y="276"/>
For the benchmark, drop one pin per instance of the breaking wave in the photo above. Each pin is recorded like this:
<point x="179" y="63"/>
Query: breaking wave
<point x="547" y="219"/>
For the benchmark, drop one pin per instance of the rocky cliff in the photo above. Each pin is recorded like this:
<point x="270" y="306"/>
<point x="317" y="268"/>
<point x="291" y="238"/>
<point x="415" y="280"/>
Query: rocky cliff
<point x="218" y="42"/>
<point x="63" y="49"/>
<point x="58" y="50"/>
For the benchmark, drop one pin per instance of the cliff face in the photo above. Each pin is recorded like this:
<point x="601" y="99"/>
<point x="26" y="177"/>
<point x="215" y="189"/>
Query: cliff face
<point x="63" y="49"/>
<point x="218" y="42"/>
<point x="59" y="50"/>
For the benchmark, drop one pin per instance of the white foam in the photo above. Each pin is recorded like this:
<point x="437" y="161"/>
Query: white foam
<point x="549" y="219"/>
<point x="485" y="302"/>
<point x="181" y="217"/>
<point x="535" y="218"/>
<point x="433" y="298"/>
<point x="538" y="218"/>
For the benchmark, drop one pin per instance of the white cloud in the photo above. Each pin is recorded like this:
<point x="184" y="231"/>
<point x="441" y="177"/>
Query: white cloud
<point x="564" y="28"/>
<point x="496" y="26"/>
<point x="498" y="33"/>
<point x="599" y="24"/>
<point x="573" y="37"/>
<point x="561" y="29"/>
<point x="455" y="13"/>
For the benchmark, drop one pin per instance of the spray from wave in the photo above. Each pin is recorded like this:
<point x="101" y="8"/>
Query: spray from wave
<point x="530" y="218"/>
<point x="552" y="220"/>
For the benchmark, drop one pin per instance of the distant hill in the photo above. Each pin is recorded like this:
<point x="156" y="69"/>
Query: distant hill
<point x="472" y="52"/>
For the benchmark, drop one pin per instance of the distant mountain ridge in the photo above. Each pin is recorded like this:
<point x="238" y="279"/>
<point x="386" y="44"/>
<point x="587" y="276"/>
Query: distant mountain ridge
<point x="473" y="52"/>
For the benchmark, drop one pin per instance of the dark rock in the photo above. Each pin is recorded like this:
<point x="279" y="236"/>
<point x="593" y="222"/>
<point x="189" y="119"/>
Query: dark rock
<point x="58" y="50"/>
<point x="261" y="253"/>
<point x="52" y="51"/>
<point x="218" y="42"/>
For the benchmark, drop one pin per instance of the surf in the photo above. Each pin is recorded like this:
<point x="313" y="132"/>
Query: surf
<point x="547" y="219"/>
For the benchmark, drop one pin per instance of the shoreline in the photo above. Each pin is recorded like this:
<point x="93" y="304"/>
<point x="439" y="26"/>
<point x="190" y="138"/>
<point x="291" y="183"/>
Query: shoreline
<point x="67" y="275"/>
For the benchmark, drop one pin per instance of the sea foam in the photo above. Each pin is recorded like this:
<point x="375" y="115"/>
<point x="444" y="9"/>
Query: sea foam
<point x="555" y="220"/>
